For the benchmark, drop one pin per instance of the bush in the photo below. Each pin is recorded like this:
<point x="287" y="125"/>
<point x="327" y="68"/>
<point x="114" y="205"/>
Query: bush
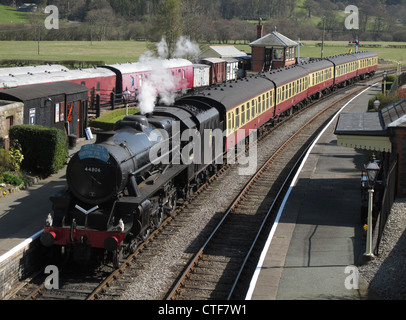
<point x="386" y="100"/>
<point x="5" y="161"/>
<point x="16" y="157"/>
<point x="11" y="179"/>
<point x="45" y="149"/>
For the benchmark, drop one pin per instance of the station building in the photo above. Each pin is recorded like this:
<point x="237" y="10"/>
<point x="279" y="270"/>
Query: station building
<point x="272" y="51"/>
<point x="61" y="105"/>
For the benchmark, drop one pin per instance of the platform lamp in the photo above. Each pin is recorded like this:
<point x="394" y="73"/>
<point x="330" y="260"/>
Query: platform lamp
<point x="372" y="170"/>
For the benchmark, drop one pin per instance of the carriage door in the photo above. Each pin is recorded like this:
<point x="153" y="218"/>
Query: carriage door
<point x="79" y="117"/>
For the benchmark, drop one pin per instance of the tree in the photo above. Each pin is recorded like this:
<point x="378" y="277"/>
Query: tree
<point x="169" y="24"/>
<point x="310" y="5"/>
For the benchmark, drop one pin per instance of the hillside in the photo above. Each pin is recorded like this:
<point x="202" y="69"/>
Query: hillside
<point x="209" y="20"/>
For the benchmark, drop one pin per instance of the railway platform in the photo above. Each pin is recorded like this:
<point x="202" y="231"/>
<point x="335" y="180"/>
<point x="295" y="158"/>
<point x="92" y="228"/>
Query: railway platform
<point x="318" y="240"/>
<point x="23" y="213"/>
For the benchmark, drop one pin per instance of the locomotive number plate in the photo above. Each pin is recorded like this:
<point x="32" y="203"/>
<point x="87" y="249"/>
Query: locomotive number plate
<point x="93" y="170"/>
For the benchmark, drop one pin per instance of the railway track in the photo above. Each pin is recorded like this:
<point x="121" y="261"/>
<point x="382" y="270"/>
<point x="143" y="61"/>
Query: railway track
<point x="214" y="271"/>
<point x="252" y="208"/>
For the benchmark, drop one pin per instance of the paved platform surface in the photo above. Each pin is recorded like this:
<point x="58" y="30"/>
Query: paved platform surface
<point x="320" y="232"/>
<point x="23" y="213"/>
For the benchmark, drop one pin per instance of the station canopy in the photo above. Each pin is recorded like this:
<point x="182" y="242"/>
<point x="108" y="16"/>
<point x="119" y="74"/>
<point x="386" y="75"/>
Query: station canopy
<point x="371" y="130"/>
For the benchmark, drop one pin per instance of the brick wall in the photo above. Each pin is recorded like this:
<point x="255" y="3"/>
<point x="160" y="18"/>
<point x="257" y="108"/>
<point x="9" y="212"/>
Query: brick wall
<point x="20" y="266"/>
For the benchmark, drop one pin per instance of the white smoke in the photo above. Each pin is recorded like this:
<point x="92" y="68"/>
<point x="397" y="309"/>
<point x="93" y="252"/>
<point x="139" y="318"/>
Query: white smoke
<point x="186" y="48"/>
<point x="161" y="81"/>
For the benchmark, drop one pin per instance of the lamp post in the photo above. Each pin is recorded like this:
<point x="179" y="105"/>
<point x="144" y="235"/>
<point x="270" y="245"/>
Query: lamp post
<point x="384" y="82"/>
<point x="372" y="170"/>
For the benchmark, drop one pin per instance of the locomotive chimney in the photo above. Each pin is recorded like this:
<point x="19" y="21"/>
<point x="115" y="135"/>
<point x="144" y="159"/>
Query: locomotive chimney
<point x="260" y="29"/>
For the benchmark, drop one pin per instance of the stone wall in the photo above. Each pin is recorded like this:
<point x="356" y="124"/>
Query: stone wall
<point x="10" y="109"/>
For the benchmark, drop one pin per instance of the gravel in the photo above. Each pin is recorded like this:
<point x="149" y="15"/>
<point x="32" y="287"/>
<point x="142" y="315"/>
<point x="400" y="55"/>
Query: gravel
<point x="386" y="274"/>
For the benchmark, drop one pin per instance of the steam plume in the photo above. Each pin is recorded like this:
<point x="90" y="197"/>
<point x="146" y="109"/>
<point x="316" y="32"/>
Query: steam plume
<point x="160" y="81"/>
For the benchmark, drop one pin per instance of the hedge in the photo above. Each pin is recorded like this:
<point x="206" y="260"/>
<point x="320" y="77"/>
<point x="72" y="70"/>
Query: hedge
<point x="45" y="149"/>
<point x="109" y="119"/>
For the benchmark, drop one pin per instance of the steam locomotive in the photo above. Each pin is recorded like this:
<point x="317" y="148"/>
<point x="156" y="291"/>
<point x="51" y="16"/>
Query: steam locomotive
<point x="124" y="185"/>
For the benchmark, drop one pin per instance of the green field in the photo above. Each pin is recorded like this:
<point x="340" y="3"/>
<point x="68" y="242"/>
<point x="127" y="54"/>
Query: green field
<point x="10" y="15"/>
<point x="125" y="51"/>
<point x="108" y="51"/>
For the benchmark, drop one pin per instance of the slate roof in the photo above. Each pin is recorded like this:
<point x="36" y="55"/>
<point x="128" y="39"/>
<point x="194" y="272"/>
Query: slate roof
<point x="223" y="52"/>
<point x="372" y="123"/>
<point x="274" y="39"/>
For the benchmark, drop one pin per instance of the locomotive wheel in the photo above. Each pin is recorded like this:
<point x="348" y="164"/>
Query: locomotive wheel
<point x="171" y="206"/>
<point x="159" y="218"/>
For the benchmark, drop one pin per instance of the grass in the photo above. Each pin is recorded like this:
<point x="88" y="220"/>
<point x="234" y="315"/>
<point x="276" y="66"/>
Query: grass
<point x="124" y="51"/>
<point x="11" y="15"/>
<point x="108" y="51"/>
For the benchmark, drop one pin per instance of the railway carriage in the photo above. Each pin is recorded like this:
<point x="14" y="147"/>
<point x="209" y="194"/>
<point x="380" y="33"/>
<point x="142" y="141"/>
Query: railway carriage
<point x="367" y="64"/>
<point x="31" y="69"/>
<point x="131" y="76"/>
<point x="102" y="80"/>
<point x="321" y="77"/>
<point x="245" y="105"/>
<point x="201" y="76"/>
<point x="345" y="69"/>
<point x="292" y="84"/>
<point x="218" y="69"/>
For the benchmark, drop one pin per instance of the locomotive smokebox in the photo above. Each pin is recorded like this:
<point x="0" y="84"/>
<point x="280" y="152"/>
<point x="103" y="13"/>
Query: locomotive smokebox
<point x="99" y="172"/>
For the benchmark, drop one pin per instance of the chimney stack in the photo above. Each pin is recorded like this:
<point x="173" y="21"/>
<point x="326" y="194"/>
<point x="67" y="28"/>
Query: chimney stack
<point x="260" y="29"/>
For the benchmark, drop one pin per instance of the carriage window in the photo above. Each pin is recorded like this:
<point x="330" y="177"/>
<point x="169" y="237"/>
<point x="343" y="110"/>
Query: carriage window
<point x="229" y="120"/>
<point x="243" y="115"/>
<point x="237" y="118"/>
<point x="267" y="101"/>
<point x="253" y="109"/>
<point x="248" y="112"/>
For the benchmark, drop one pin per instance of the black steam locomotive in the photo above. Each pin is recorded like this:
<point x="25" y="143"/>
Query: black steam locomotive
<point x="128" y="182"/>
